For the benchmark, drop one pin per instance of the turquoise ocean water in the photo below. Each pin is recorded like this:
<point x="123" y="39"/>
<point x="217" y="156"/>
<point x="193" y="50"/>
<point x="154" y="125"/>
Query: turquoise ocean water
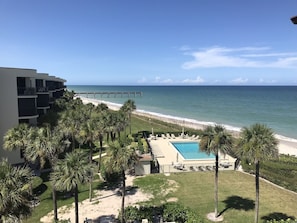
<point x="232" y="106"/>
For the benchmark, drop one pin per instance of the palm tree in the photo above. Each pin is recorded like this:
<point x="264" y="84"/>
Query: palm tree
<point x="63" y="103"/>
<point x="128" y="107"/>
<point x="70" y="172"/>
<point x="257" y="143"/>
<point x="111" y="128"/>
<point x="102" y="107"/>
<point x="14" y="192"/>
<point x="101" y="129"/>
<point x="89" y="135"/>
<point x="19" y="137"/>
<point x="47" y="145"/>
<point x="120" y="123"/>
<point x="216" y="140"/>
<point x="120" y="158"/>
<point x="70" y="122"/>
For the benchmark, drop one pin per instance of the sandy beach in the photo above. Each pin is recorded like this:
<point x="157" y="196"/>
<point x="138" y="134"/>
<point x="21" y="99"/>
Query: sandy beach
<point x="285" y="146"/>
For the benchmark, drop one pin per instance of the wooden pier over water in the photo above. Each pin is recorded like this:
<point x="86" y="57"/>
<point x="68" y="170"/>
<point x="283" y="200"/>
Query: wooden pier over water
<point x="108" y="94"/>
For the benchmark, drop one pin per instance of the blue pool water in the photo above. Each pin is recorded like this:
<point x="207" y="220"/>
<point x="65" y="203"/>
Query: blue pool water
<point x="191" y="151"/>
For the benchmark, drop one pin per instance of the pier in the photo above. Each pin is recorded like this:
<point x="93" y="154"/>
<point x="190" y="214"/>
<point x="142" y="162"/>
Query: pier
<point x="108" y="94"/>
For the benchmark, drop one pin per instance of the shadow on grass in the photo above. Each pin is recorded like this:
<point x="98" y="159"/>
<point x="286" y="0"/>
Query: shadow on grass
<point x="130" y="190"/>
<point x="277" y="216"/>
<point x="40" y="189"/>
<point x="238" y="203"/>
<point x="108" y="185"/>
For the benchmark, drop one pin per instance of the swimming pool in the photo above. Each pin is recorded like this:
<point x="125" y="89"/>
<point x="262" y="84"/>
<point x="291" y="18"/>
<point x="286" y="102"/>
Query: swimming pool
<point x="191" y="151"/>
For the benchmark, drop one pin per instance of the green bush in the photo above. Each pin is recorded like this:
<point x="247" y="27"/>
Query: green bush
<point x="174" y="212"/>
<point x="281" y="171"/>
<point x="169" y="212"/>
<point x="144" y="145"/>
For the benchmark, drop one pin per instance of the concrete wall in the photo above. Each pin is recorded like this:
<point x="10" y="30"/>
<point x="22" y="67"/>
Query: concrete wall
<point x="9" y="116"/>
<point x="8" y="111"/>
<point x="143" y="168"/>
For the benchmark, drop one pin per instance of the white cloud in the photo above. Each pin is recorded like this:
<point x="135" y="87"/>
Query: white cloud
<point x="198" y="80"/>
<point x="157" y="79"/>
<point x="142" y="80"/>
<point x="163" y="81"/>
<point x="262" y="81"/>
<point x="239" y="80"/>
<point x="167" y="81"/>
<point x="240" y="57"/>
<point x="184" y="48"/>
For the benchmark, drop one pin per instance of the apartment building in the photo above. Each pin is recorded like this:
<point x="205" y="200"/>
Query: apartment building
<point x="24" y="96"/>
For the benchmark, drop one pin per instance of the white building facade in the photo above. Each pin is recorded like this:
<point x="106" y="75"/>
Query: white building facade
<point x="24" y="96"/>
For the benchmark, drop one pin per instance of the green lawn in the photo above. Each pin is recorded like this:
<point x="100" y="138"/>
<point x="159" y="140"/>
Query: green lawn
<point x="236" y="195"/>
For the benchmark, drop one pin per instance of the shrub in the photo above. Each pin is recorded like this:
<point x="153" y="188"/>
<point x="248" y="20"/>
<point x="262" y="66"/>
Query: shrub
<point x="281" y="171"/>
<point x="169" y="212"/>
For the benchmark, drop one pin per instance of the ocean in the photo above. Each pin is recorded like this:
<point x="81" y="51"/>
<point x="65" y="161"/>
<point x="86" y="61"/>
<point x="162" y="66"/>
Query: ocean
<point x="232" y="106"/>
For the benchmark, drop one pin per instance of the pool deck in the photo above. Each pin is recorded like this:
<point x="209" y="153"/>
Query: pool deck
<point x="170" y="160"/>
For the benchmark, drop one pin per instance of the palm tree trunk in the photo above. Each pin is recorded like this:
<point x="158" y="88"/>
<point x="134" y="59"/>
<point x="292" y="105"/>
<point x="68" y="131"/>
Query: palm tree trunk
<point x="130" y="123"/>
<point x="100" y="156"/>
<point x="257" y="191"/>
<point x="72" y="138"/>
<point x="90" y="188"/>
<point x="123" y="196"/>
<point x="216" y="185"/>
<point x="27" y="165"/>
<point x="76" y="203"/>
<point x="107" y="136"/>
<point x="55" y="204"/>
<point x="91" y="176"/>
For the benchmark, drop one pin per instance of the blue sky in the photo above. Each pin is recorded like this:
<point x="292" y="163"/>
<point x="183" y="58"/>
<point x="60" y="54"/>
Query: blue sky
<point x="152" y="42"/>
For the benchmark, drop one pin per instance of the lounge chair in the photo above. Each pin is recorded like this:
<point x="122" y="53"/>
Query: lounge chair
<point x="225" y="165"/>
<point x="173" y="136"/>
<point x="209" y="168"/>
<point x="163" y="136"/>
<point x="202" y="168"/>
<point x="168" y="136"/>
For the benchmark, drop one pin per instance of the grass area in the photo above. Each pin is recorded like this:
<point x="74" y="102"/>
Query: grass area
<point x="236" y="195"/>
<point x="46" y="202"/>
<point x="141" y="123"/>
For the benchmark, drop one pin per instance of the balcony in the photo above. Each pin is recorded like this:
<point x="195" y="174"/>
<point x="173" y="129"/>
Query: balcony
<point x="55" y="85"/>
<point x="27" y="107"/>
<point x="43" y="101"/>
<point x="28" y="112"/>
<point x="42" y="90"/>
<point x="23" y="91"/>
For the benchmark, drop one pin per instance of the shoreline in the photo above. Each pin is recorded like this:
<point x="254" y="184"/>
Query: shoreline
<point x="286" y="145"/>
